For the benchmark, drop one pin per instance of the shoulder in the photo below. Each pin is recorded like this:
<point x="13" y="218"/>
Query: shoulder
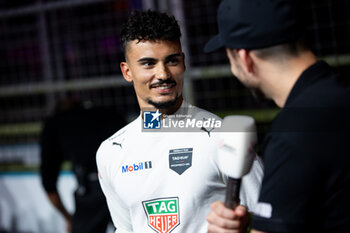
<point x="113" y="144"/>
<point x="327" y="89"/>
<point x="200" y="113"/>
<point x="209" y="122"/>
<point x="129" y="128"/>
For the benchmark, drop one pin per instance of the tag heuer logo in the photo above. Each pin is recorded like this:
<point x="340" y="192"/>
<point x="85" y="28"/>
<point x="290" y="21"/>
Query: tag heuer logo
<point x="162" y="214"/>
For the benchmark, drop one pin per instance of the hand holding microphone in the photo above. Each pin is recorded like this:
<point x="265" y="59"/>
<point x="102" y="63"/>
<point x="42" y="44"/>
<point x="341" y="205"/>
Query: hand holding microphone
<point x="236" y="154"/>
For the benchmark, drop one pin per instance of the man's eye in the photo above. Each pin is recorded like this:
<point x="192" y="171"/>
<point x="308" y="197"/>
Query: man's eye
<point x="174" y="61"/>
<point x="148" y="64"/>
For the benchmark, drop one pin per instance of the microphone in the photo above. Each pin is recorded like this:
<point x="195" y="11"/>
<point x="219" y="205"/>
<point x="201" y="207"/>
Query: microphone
<point x="236" y="154"/>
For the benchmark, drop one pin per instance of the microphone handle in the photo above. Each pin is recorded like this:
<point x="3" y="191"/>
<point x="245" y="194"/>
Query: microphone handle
<point x="232" y="193"/>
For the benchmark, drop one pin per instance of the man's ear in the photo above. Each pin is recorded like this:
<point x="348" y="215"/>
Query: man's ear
<point x="246" y="59"/>
<point x="230" y="55"/>
<point x="126" y="71"/>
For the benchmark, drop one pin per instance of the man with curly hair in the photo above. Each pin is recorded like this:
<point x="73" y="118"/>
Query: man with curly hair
<point x="162" y="181"/>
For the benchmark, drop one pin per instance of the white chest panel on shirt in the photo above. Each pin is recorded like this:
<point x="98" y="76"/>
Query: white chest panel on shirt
<point x="161" y="182"/>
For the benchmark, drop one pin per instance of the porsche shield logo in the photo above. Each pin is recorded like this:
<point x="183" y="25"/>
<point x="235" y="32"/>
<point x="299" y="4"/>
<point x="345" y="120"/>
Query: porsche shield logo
<point x="162" y="214"/>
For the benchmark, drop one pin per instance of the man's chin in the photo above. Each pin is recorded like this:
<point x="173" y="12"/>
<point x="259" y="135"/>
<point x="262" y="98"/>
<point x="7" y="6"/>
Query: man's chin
<point x="164" y="104"/>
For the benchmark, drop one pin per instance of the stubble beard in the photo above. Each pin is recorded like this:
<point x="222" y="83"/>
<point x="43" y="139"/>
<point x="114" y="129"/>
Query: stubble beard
<point x="164" y="105"/>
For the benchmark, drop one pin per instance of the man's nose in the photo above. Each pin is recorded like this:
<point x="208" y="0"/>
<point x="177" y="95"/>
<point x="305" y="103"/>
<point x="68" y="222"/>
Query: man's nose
<point x="162" y="72"/>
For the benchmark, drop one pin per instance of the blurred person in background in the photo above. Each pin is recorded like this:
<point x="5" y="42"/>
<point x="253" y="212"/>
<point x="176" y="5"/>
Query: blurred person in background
<point x="73" y="132"/>
<point x="162" y="181"/>
<point x="306" y="184"/>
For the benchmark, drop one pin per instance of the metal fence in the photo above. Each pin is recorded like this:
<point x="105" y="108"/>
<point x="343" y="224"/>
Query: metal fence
<point x="49" y="48"/>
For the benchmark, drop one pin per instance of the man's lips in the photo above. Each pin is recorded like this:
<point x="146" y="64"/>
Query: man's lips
<point x="163" y="88"/>
<point x="163" y="85"/>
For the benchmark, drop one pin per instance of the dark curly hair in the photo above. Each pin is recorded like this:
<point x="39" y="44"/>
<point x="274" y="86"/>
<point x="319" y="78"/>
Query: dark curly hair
<point x="149" y="26"/>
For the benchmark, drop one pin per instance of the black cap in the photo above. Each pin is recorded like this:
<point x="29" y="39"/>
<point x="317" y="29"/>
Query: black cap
<point x="254" y="24"/>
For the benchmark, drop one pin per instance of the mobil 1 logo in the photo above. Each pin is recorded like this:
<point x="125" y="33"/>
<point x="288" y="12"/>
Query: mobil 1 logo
<point x="163" y="214"/>
<point x="180" y="159"/>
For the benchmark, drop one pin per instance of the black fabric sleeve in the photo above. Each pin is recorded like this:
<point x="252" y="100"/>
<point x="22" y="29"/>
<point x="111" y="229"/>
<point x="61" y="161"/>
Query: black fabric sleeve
<point x="51" y="156"/>
<point x="290" y="185"/>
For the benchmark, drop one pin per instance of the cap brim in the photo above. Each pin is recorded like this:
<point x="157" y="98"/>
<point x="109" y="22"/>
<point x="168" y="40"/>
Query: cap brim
<point x="213" y="44"/>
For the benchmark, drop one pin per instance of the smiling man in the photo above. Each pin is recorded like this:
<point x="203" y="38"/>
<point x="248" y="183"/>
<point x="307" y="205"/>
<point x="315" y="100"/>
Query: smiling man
<point x="162" y="181"/>
<point x="156" y="69"/>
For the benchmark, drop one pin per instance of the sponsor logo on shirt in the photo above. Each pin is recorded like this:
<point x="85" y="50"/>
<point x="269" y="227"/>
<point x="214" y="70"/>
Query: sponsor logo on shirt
<point x="137" y="167"/>
<point x="180" y="159"/>
<point x="207" y="130"/>
<point x="162" y="214"/>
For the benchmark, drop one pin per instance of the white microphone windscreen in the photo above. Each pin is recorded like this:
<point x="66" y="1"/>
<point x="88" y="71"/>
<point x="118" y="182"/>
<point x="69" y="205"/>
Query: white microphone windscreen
<point x="236" y="151"/>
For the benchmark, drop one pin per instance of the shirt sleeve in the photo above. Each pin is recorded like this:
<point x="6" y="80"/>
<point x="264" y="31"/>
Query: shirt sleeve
<point x="119" y="212"/>
<point x="251" y="184"/>
<point x="51" y="155"/>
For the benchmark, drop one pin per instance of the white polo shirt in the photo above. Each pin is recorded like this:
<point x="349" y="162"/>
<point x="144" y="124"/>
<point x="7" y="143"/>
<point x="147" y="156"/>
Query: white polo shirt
<point x="165" y="182"/>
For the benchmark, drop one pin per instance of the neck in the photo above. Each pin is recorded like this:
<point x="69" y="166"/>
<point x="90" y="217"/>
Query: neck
<point x="281" y="76"/>
<point x="173" y="109"/>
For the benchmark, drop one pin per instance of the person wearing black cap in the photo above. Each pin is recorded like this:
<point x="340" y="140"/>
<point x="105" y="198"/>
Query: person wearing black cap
<point x="306" y="184"/>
